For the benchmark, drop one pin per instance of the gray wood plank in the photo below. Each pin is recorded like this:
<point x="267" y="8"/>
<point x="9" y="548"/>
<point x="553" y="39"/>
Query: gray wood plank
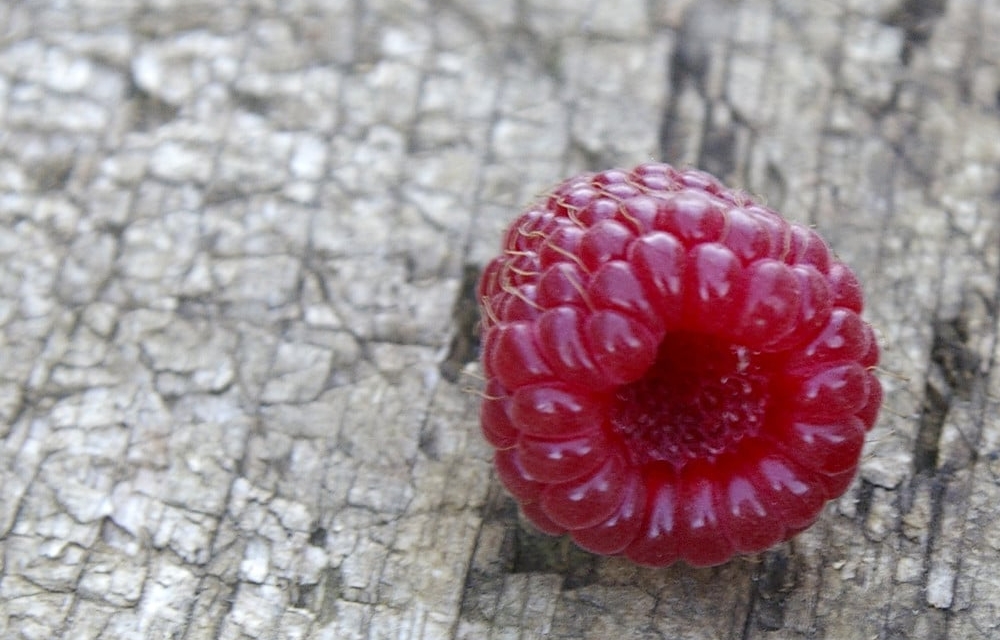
<point x="236" y="390"/>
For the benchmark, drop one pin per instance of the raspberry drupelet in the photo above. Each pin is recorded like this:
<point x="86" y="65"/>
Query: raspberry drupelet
<point x="673" y="371"/>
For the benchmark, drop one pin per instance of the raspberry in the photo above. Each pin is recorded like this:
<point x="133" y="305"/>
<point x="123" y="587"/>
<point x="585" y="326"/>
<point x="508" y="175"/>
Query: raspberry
<point x="674" y="372"/>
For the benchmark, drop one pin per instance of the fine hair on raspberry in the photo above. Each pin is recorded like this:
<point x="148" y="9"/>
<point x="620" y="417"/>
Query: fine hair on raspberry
<point x="674" y="372"/>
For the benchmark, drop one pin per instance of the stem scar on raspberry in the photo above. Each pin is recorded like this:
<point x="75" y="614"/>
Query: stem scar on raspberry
<point x="674" y="372"/>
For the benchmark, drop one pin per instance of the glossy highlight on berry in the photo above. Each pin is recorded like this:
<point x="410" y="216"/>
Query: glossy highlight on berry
<point x="674" y="371"/>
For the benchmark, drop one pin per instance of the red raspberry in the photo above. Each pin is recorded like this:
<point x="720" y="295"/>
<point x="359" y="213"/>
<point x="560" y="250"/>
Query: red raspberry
<point x="674" y="372"/>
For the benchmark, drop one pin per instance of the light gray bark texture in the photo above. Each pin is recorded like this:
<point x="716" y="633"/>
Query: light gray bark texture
<point x="237" y="239"/>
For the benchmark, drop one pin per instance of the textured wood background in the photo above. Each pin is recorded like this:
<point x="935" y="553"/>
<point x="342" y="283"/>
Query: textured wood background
<point x="236" y="249"/>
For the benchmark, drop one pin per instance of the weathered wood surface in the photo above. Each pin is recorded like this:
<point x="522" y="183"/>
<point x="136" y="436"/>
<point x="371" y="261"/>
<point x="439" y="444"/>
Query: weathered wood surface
<point x="234" y="242"/>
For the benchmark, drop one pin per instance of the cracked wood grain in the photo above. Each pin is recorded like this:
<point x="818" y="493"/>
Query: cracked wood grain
<point x="238" y="250"/>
